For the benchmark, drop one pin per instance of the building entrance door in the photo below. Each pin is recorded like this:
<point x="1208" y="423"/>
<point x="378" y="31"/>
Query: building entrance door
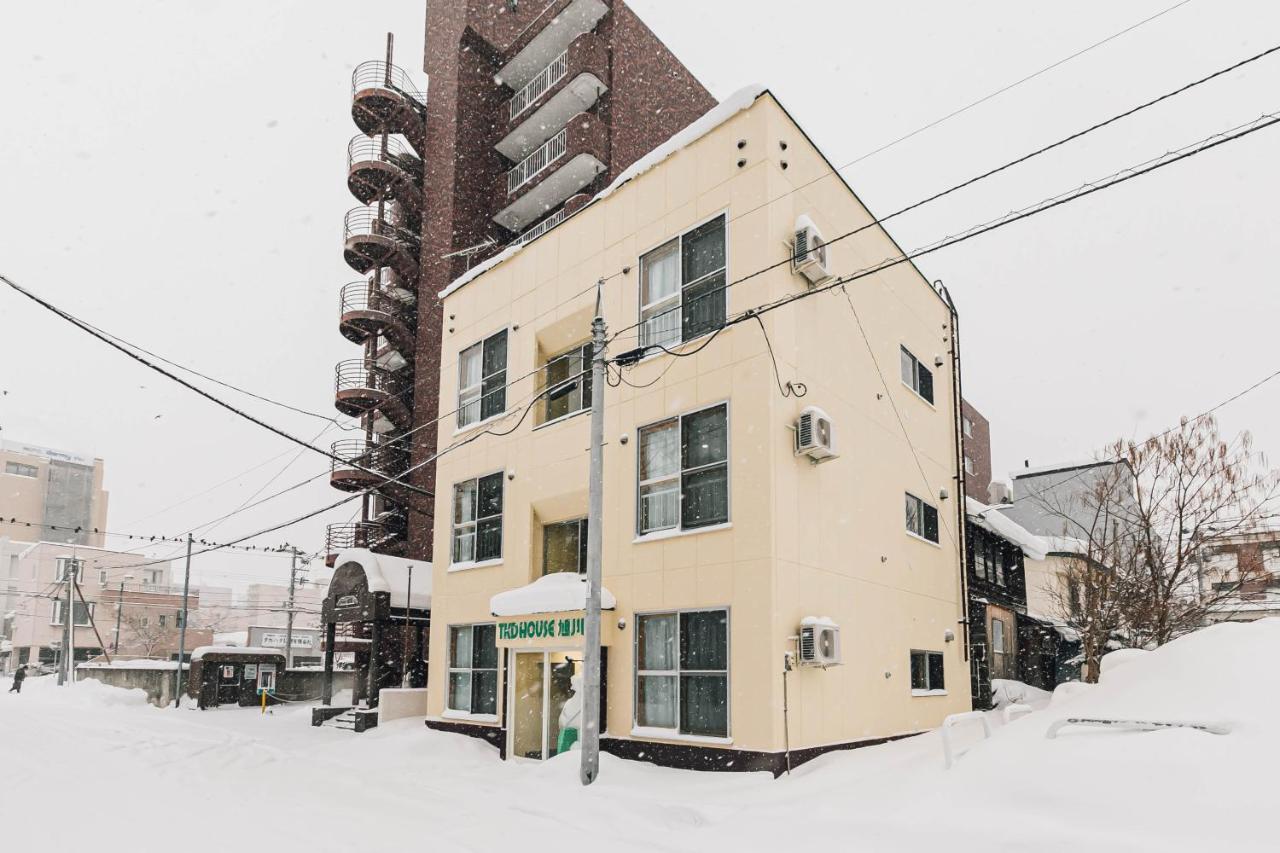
<point x="545" y="710"/>
<point x="228" y="684"/>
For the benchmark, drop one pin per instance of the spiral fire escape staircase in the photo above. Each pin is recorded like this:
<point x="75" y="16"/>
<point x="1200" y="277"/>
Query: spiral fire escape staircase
<point x="381" y="241"/>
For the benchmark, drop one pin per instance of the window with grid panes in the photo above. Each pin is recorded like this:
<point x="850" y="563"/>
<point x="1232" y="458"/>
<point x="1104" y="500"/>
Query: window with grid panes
<point x="682" y="286"/>
<point x="684" y="472"/>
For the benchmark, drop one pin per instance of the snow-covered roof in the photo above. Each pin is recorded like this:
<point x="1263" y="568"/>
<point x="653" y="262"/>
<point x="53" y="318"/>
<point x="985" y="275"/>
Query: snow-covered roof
<point x="710" y="120"/>
<point x="992" y="520"/>
<point x="169" y="665"/>
<point x="391" y="575"/>
<point x="243" y="651"/>
<point x="551" y="593"/>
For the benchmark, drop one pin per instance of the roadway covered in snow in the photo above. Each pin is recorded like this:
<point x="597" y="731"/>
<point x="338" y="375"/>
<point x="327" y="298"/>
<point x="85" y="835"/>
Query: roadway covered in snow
<point x="149" y="779"/>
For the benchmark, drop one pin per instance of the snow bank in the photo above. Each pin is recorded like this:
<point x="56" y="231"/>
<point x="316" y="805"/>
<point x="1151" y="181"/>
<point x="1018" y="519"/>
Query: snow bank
<point x="548" y="594"/>
<point x="1009" y="692"/>
<point x="710" y="120"/>
<point x="1118" y="658"/>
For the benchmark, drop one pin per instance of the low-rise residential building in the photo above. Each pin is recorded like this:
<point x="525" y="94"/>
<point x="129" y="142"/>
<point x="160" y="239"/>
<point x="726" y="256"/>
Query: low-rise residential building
<point x="755" y="545"/>
<point x="123" y="603"/>
<point x="51" y="495"/>
<point x="1013" y="575"/>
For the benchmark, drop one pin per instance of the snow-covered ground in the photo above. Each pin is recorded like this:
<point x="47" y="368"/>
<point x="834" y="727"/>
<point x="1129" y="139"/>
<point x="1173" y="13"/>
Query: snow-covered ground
<point x="142" y="778"/>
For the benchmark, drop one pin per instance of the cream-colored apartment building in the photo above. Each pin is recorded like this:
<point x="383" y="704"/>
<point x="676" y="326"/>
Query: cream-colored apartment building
<point x="51" y="495"/>
<point x="723" y="545"/>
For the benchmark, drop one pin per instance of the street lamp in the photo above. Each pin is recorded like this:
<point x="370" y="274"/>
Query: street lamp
<point x="115" y="646"/>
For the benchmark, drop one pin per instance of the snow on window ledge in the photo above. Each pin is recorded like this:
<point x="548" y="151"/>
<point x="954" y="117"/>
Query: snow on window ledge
<point x="652" y="733"/>
<point x="483" y="564"/>
<point x="928" y="693"/>
<point x="674" y="532"/>
<point x="450" y="714"/>
<point x="920" y="538"/>
<point x="463" y="430"/>
<point x="562" y="418"/>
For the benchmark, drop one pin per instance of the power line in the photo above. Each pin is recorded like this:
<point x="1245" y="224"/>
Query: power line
<point x="85" y="327"/>
<point x="1264" y="121"/>
<point x="148" y="537"/>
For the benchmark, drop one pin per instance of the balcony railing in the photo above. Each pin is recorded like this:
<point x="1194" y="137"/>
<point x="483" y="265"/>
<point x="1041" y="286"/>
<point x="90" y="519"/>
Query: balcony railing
<point x="541" y="228"/>
<point x="368" y="221"/>
<point x="386" y="459"/>
<point x="369" y="149"/>
<point x="528" y="168"/>
<point x="358" y="296"/>
<point x="356" y="373"/>
<point x="364" y="534"/>
<point x="538" y="86"/>
<point x="376" y="74"/>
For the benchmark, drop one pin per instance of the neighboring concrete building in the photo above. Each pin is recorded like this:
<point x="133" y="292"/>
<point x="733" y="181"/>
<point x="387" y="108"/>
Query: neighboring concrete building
<point x="115" y="591"/>
<point x="534" y="106"/>
<point x="1241" y="576"/>
<point x="977" y="453"/>
<point x="726" y="546"/>
<point x="1064" y="500"/>
<point x="51" y="495"/>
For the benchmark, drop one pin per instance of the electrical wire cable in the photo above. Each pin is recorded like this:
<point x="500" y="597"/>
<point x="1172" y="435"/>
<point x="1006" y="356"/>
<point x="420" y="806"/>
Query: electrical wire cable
<point x="85" y="327"/>
<point x="1119" y="177"/>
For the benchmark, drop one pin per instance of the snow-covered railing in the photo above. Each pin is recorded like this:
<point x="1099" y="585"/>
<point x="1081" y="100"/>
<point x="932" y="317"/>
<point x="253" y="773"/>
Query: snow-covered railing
<point x="1137" y="725"/>
<point x="541" y="82"/>
<point x="951" y="721"/>
<point x="541" y="228"/>
<point x="546" y="154"/>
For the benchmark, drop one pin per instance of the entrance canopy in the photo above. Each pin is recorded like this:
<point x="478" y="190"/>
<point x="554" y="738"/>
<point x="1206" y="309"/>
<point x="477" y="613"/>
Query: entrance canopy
<point x="553" y="593"/>
<point x="390" y="575"/>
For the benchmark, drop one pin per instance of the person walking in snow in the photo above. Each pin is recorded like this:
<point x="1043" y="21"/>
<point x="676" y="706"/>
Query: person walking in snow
<point x="19" y="676"/>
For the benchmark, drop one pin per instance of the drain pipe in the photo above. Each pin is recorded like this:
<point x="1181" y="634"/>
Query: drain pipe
<point x="786" y="719"/>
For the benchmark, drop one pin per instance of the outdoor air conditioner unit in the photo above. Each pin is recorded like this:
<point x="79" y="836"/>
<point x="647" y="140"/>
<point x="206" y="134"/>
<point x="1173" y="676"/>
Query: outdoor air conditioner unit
<point x="814" y="435"/>
<point x="809" y="252"/>
<point x="819" y="642"/>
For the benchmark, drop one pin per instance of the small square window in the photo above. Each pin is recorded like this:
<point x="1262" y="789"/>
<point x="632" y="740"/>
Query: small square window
<point x="927" y="671"/>
<point x="916" y="376"/>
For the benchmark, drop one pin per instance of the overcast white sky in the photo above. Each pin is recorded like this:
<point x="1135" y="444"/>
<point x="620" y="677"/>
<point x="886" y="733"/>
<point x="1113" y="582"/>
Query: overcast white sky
<point x="173" y="172"/>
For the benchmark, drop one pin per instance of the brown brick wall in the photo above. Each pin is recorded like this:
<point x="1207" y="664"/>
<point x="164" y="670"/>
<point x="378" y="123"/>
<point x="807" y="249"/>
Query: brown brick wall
<point x="651" y="96"/>
<point x="977" y="447"/>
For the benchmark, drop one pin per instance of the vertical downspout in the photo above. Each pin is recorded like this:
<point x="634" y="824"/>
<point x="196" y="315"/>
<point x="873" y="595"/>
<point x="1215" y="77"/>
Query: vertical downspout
<point x="961" y="514"/>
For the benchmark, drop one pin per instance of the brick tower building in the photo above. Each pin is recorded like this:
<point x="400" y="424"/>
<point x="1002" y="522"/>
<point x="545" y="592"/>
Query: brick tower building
<point x="532" y="107"/>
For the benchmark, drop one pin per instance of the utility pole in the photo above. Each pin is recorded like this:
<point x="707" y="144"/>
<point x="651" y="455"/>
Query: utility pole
<point x="590" y="733"/>
<point x="68" y="613"/>
<point x="115" y="645"/>
<point x="404" y="654"/>
<point x="182" y="630"/>
<point x="288" y="631"/>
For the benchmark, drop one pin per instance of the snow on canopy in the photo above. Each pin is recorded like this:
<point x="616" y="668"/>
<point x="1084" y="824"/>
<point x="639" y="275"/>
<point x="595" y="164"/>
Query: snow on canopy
<point x="553" y="593"/>
<point x="391" y="575"/>
<point x="710" y="120"/>
<point x="242" y="651"/>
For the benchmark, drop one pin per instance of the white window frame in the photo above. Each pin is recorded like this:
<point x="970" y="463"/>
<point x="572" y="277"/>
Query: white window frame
<point x="969" y="467"/>
<point x="584" y="351"/>
<point x="60" y="569"/>
<point x="928" y="689"/>
<point x="675" y="732"/>
<point x="678" y="476"/>
<point x="921" y="503"/>
<point x="473" y="395"/>
<point x="471" y="670"/>
<point x="582" y="535"/>
<point x="56" y="617"/>
<point x="677" y="298"/>
<point x="474" y="523"/>
<point x="918" y="366"/>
